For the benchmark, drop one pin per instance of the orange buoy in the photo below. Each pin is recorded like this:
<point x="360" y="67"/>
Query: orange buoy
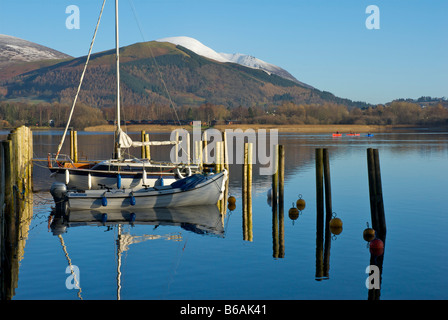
<point x="336" y="230"/>
<point x="231" y="206"/>
<point x="300" y="203"/>
<point x="368" y="234"/>
<point x="231" y="199"/>
<point x="335" y="225"/>
<point x="293" y="213"/>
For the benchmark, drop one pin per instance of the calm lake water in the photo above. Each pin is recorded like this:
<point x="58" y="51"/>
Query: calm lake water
<point x="209" y="258"/>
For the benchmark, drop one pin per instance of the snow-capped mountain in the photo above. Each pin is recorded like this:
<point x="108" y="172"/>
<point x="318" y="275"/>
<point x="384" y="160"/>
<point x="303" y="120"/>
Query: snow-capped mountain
<point x="195" y="46"/>
<point x="14" y="49"/>
<point x="239" y="58"/>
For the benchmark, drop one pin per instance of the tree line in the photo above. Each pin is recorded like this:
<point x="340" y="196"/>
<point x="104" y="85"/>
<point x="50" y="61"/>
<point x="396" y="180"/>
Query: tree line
<point x="13" y="114"/>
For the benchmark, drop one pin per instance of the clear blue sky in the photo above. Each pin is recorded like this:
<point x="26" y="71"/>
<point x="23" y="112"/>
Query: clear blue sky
<point x="324" y="43"/>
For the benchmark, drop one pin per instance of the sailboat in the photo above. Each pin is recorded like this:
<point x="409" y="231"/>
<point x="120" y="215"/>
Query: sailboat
<point x="131" y="188"/>
<point x="117" y="172"/>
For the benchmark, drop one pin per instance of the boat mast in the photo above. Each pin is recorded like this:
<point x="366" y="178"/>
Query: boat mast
<point x="117" y="48"/>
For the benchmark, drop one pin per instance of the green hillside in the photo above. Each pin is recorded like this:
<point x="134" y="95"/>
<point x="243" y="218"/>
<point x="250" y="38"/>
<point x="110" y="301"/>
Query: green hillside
<point x="145" y="69"/>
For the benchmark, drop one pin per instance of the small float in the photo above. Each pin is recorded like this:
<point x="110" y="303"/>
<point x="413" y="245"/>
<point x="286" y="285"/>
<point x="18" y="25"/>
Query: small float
<point x="337" y="134"/>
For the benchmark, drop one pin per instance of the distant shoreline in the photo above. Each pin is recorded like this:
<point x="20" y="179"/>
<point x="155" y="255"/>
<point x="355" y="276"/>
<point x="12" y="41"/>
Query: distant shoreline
<point x="306" y="128"/>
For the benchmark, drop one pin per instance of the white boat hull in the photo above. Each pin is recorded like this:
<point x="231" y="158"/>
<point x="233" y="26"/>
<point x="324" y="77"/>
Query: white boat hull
<point x="74" y="179"/>
<point x="131" y="175"/>
<point x="207" y="192"/>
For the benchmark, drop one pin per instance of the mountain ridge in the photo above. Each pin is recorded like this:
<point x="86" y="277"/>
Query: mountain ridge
<point x="13" y="49"/>
<point x="243" y="59"/>
<point x="191" y="79"/>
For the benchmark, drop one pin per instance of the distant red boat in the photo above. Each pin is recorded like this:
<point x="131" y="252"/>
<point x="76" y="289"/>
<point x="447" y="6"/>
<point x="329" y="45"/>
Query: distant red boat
<point x="337" y="134"/>
<point x="353" y="134"/>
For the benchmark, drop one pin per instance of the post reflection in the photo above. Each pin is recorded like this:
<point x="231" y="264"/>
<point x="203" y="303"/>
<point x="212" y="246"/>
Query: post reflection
<point x="15" y="226"/>
<point x="376" y="249"/>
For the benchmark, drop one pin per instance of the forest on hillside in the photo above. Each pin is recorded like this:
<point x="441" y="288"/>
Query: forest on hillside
<point x="13" y="114"/>
<point x="176" y="75"/>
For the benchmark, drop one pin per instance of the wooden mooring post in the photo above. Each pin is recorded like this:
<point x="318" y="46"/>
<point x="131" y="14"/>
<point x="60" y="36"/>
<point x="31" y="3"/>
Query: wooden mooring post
<point x="323" y="201"/>
<point x="74" y="146"/>
<point x="146" y="151"/>
<point x="277" y="201"/>
<point x="376" y="193"/>
<point x="221" y="163"/>
<point x="319" y="213"/>
<point x="247" y="193"/>
<point x="328" y="213"/>
<point x="16" y="169"/>
<point x="281" y="206"/>
<point x="377" y="216"/>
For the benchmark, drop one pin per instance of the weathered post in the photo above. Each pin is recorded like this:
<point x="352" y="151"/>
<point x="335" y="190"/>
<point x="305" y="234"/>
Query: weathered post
<point x="249" y="192"/>
<point x="226" y="151"/>
<point x="376" y="193"/>
<point x="281" y="218"/>
<point x="188" y="148"/>
<point x="142" y="135"/>
<point x="147" y="147"/>
<point x="275" y="178"/>
<point x="379" y="197"/>
<point x="176" y="148"/>
<point x="328" y="213"/>
<point x="319" y="213"/>
<point x="372" y="188"/>
<point x="205" y="147"/>
<point x="17" y="210"/>
<point x="74" y="146"/>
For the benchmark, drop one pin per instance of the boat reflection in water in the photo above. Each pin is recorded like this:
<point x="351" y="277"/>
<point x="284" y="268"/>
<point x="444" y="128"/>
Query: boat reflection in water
<point x="198" y="219"/>
<point x="204" y="220"/>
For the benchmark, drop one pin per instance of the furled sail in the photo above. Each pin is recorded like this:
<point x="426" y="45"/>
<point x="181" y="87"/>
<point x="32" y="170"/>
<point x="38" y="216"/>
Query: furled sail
<point x="126" y="141"/>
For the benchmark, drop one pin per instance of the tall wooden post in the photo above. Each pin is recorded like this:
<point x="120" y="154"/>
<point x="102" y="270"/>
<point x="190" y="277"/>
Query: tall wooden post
<point x="281" y="207"/>
<point x="328" y="213"/>
<point x="275" y="178"/>
<point x="75" y="146"/>
<point x="379" y="196"/>
<point x="176" y="148"/>
<point x="147" y="147"/>
<point x="205" y="147"/>
<point x="249" y="193"/>
<point x="244" y="191"/>
<point x="372" y="188"/>
<point x="226" y="151"/>
<point x="218" y="156"/>
<point x="188" y="148"/>
<point x="17" y="207"/>
<point x="142" y="135"/>
<point x="72" y="145"/>
<point x="376" y="193"/>
<point x="319" y="214"/>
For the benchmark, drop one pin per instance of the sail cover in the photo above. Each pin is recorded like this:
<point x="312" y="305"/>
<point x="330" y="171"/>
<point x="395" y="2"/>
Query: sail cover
<point x="126" y="141"/>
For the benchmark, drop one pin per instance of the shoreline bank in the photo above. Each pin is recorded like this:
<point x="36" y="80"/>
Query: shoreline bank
<point x="345" y="128"/>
